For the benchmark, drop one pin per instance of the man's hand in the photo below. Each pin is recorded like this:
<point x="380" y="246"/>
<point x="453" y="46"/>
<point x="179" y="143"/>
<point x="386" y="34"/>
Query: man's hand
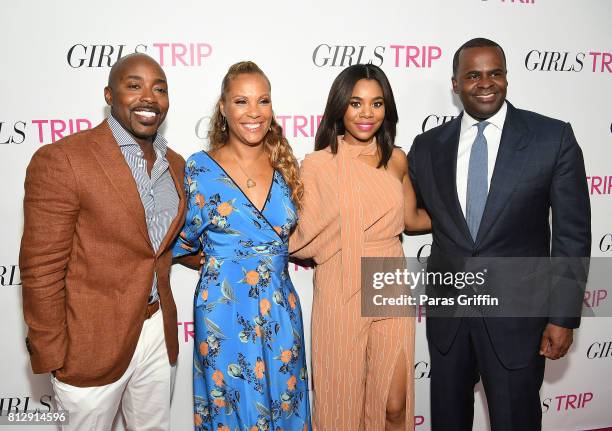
<point x="202" y="261"/>
<point x="556" y="341"/>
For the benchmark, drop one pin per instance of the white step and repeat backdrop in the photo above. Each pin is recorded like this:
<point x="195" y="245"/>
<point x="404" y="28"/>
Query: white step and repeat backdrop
<point x="55" y="60"/>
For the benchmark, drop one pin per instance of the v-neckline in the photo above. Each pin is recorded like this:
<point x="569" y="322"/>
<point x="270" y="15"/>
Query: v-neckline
<point x="260" y="211"/>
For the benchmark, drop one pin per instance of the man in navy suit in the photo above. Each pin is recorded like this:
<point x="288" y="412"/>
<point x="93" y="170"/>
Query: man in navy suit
<point x="489" y="180"/>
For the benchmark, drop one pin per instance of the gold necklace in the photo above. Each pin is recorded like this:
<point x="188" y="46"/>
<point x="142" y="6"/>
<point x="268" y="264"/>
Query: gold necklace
<point x="250" y="181"/>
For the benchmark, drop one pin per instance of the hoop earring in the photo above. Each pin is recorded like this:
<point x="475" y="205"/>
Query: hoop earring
<point x="224" y="125"/>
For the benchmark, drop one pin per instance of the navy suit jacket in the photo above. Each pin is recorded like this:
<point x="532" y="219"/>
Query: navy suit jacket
<point x="539" y="169"/>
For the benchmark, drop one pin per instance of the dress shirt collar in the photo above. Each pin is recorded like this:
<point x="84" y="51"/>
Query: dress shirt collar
<point x="467" y="121"/>
<point x="124" y="139"/>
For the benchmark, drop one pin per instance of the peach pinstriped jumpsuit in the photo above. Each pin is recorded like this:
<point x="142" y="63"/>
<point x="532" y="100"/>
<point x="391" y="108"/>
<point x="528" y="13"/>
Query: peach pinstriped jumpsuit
<point x="350" y="210"/>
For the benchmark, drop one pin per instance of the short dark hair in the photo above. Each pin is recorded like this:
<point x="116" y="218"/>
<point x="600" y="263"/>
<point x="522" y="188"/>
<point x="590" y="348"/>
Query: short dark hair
<point x="478" y="42"/>
<point x="332" y="123"/>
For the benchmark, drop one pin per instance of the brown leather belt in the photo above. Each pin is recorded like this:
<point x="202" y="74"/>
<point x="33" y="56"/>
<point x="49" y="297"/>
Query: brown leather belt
<point x="151" y="309"/>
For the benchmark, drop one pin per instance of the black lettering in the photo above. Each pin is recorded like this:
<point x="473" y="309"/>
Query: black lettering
<point x="608" y="351"/>
<point x="16" y="406"/>
<point x="546" y="404"/>
<point x="2" y="273"/>
<point x="606" y="242"/>
<point x="92" y="55"/>
<point x="9" y="139"/>
<point x="13" y="271"/>
<point x="589" y="350"/>
<point x="424" y="125"/>
<point x="70" y="55"/>
<point x="420" y="257"/>
<point x="543" y="66"/>
<point x="379" y="55"/>
<point x="104" y="55"/>
<point x="325" y="59"/>
<point x="45" y="403"/>
<point x="421" y="370"/>
<point x="5" y="278"/>
<point x="535" y="65"/>
<point x="579" y="57"/>
<point x="20" y="132"/>
<point x="336" y="49"/>
<point x="349" y="56"/>
<point x="361" y="49"/>
<point x="554" y="59"/>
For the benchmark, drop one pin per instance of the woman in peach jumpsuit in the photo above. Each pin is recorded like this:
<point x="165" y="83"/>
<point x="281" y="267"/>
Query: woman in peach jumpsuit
<point x="357" y="202"/>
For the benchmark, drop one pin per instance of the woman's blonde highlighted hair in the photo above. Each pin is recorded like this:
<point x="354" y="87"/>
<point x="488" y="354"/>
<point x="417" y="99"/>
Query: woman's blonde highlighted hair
<point x="277" y="146"/>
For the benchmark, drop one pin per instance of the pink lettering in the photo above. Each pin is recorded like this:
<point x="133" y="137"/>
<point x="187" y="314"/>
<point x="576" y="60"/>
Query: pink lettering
<point x="188" y="331"/>
<point x="412" y="53"/>
<point x="204" y="50"/>
<point x="422" y="312"/>
<point x="595" y="183"/>
<point x="59" y="129"/>
<point x="606" y="60"/>
<point x="573" y="401"/>
<point x="434" y="53"/>
<point x="397" y="50"/>
<point x="80" y="121"/>
<point x="178" y="51"/>
<point x="40" y="123"/>
<point x="282" y="120"/>
<point x="299" y="121"/>
<point x="182" y="54"/>
<point x="161" y="47"/>
<point x="587" y="396"/>
<point x="417" y="56"/>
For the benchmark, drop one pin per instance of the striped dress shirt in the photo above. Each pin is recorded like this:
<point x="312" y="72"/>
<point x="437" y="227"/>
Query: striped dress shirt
<point x="157" y="192"/>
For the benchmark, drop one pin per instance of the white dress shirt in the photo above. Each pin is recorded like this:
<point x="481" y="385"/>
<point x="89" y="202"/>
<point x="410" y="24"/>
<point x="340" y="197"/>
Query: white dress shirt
<point x="467" y="136"/>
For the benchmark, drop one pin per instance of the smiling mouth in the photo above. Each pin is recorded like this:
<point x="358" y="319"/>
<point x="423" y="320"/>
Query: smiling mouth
<point x="146" y="114"/>
<point x="365" y="127"/>
<point x="486" y="97"/>
<point x="146" y="117"/>
<point x="252" y="127"/>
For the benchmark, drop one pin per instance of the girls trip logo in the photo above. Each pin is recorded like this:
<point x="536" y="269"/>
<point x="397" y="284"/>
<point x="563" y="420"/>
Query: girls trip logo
<point x="566" y="61"/>
<point x="174" y="54"/>
<point x="567" y="402"/>
<point x="52" y="130"/>
<point x="395" y="55"/>
<point x="45" y="131"/>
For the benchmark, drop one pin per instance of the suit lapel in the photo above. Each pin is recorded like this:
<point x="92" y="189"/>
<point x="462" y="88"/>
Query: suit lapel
<point x="106" y="151"/>
<point x="444" y="161"/>
<point x="178" y="221"/>
<point x="509" y="164"/>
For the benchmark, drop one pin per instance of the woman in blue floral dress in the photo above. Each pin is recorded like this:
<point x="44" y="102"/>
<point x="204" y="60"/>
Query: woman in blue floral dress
<point x="249" y="365"/>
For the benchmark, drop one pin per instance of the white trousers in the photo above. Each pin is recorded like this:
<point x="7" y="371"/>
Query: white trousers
<point x="144" y="391"/>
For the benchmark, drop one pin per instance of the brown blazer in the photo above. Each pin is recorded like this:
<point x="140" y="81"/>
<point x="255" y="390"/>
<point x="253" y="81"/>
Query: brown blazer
<point x="86" y="260"/>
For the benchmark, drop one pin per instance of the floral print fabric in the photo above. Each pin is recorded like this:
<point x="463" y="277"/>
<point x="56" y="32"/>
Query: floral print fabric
<point x="249" y="365"/>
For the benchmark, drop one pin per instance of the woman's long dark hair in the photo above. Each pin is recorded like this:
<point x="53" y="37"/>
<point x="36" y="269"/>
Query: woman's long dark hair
<point x="332" y="123"/>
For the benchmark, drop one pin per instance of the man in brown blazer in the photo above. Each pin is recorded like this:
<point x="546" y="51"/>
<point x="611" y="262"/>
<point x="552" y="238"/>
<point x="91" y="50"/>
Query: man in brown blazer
<point x="101" y="210"/>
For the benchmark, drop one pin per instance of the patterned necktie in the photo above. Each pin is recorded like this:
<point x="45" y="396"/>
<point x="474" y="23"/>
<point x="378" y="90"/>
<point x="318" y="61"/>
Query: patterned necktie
<point x="477" y="185"/>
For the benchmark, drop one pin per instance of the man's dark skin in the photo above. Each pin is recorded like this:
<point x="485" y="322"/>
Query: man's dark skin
<point x="480" y="81"/>
<point x="137" y="93"/>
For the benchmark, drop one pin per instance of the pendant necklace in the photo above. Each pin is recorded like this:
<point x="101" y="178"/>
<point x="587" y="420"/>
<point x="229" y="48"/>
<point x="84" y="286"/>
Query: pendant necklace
<point x="250" y="181"/>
